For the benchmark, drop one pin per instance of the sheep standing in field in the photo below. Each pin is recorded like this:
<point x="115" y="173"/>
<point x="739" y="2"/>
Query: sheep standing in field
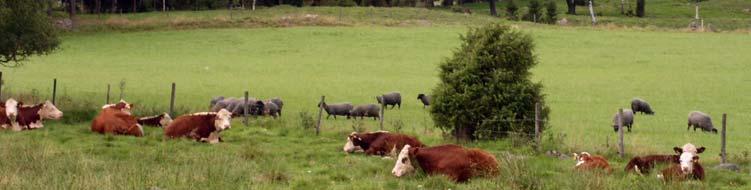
<point x="336" y="109"/>
<point x="214" y="100"/>
<point x="628" y="119"/>
<point x="368" y="110"/>
<point x="392" y="98"/>
<point x="700" y="120"/>
<point x="425" y="99"/>
<point x="278" y="101"/>
<point x="639" y="105"/>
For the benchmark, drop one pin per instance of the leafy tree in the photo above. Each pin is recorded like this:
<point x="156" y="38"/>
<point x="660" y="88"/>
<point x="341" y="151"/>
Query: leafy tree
<point x="551" y="12"/>
<point x="512" y="11"/>
<point x="485" y="90"/>
<point x="26" y="30"/>
<point x="534" y="11"/>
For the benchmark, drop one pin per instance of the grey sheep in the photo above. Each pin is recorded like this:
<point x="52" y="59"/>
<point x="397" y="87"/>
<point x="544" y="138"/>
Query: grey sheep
<point x="337" y="109"/>
<point x="639" y="105"/>
<point x="367" y="110"/>
<point x="224" y="103"/>
<point x="628" y="119"/>
<point x="270" y="108"/>
<point x="278" y="101"/>
<point x="214" y="100"/>
<point x="238" y="109"/>
<point x="700" y="120"/>
<point x="425" y="99"/>
<point x="391" y="98"/>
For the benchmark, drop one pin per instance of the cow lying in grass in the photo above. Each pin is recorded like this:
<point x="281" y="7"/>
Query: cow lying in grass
<point x="688" y="166"/>
<point x="8" y="114"/>
<point x="457" y="163"/>
<point x="644" y="164"/>
<point x="587" y="162"/>
<point x="381" y="143"/>
<point x="202" y="127"/>
<point x="116" y="119"/>
<point x="161" y="120"/>
<point x="32" y="116"/>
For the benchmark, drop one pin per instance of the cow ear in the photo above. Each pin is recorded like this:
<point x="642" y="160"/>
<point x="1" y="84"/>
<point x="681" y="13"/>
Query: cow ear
<point x="678" y="150"/>
<point x="700" y="150"/>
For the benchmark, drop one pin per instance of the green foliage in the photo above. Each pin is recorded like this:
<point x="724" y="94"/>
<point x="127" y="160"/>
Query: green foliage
<point x="512" y="11"/>
<point x="534" y="11"/>
<point x="25" y="31"/>
<point x="551" y="12"/>
<point x="485" y="90"/>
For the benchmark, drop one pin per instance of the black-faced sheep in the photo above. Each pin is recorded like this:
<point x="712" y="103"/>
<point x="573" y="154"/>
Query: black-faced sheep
<point x="639" y="105"/>
<point x="700" y="120"/>
<point x="425" y="99"/>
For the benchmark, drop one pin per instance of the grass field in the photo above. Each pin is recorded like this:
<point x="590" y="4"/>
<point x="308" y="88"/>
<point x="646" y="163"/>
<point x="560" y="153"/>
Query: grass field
<point x="587" y="74"/>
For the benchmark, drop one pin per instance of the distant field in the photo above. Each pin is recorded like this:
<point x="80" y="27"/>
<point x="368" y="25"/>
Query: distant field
<point x="587" y="75"/>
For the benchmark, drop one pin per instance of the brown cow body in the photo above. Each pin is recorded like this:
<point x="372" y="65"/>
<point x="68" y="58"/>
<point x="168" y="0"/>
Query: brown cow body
<point x="587" y="162"/>
<point x="117" y="120"/>
<point x="675" y="173"/>
<point x="381" y="143"/>
<point x="32" y="116"/>
<point x="644" y="164"/>
<point x="202" y="127"/>
<point x="161" y="120"/>
<point x="456" y="162"/>
<point x="688" y="166"/>
<point x="364" y="140"/>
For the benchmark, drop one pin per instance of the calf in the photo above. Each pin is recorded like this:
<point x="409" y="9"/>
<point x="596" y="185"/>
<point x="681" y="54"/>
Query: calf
<point x="457" y="163"/>
<point x="202" y="127"/>
<point x="161" y="120"/>
<point x="644" y="164"/>
<point x="116" y="119"/>
<point x="32" y="116"/>
<point x="363" y="140"/>
<point x="8" y="114"/>
<point x="688" y="167"/>
<point x="587" y="162"/>
<point x="383" y="143"/>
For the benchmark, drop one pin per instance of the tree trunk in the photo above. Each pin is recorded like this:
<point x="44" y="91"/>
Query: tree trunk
<point x="464" y="133"/>
<point x="428" y="3"/>
<point x="640" y="8"/>
<point x="493" y="12"/>
<point x="281" y="2"/>
<point x="113" y="8"/>
<point x="134" y="6"/>
<point x="72" y="9"/>
<point x="571" y="7"/>
<point x="98" y="6"/>
<point x="49" y="7"/>
<point x="164" y="5"/>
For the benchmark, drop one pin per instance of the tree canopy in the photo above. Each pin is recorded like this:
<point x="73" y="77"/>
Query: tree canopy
<point x="26" y="30"/>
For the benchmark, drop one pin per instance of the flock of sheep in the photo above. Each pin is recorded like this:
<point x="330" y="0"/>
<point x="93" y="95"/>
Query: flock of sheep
<point x="393" y="99"/>
<point x="696" y="119"/>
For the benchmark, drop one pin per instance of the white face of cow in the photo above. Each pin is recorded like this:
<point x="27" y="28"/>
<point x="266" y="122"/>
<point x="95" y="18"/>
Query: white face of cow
<point x="349" y="147"/>
<point x="11" y="108"/>
<point x="687" y="160"/>
<point x="222" y="121"/>
<point x="166" y="120"/>
<point x="403" y="164"/>
<point x="49" y="111"/>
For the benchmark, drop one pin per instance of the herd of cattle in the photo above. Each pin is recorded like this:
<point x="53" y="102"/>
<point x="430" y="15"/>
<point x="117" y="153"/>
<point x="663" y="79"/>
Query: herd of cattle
<point x="454" y="161"/>
<point x="696" y="119"/>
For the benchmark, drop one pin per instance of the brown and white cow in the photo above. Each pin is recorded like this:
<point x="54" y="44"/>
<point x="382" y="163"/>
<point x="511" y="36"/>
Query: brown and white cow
<point x="689" y="166"/>
<point x="8" y="114"/>
<point x="203" y="127"/>
<point x="381" y="143"/>
<point x="161" y="120"/>
<point x="458" y="163"/>
<point x="587" y="162"/>
<point x="364" y="139"/>
<point x="32" y="116"/>
<point x="644" y="164"/>
<point x="116" y="119"/>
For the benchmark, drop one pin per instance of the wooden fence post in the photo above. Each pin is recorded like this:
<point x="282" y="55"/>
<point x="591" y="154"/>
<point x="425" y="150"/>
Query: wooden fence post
<point x="320" y="114"/>
<point x="538" y="131"/>
<point x="245" y="109"/>
<point x="723" y="152"/>
<point x="1" y="84"/>
<point x="108" y="95"/>
<point x="54" y="90"/>
<point x="383" y="111"/>
<point x="172" y="101"/>
<point x="621" y="150"/>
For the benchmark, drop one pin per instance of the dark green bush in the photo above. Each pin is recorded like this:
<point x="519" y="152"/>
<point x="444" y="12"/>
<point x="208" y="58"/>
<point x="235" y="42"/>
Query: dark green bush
<point x="485" y="90"/>
<point x="551" y="12"/>
<point x="534" y="11"/>
<point x="512" y="11"/>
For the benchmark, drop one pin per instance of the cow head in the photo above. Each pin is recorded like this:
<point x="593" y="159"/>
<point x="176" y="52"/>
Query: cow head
<point x="689" y="157"/>
<point x="166" y="120"/>
<point x="403" y="164"/>
<point x="222" y="120"/>
<point x="350" y="147"/>
<point x="122" y="106"/>
<point x="582" y="158"/>
<point x="49" y="111"/>
<point x="11" y="108"/>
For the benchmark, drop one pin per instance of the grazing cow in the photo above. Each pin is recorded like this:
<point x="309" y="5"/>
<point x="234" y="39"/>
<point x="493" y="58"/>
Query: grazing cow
<point x="382" y="143"/>
<point x="32" y="116"/>
<point x="688" y="167"/>
<point x="364" y="140"/>
<point x="456" y="162"/>
<point x="8" y="114"/>
<point x="639" y="105"/>
<point x="628" y="119"/>
<point x="700" y="120"/>
<point x="161" y="120"/>
<point x="425" y="99"/>
<point x="336" y="109"/>
<point x="367" y="110"/>
<point x="116" y="119"/>
<point x="644" y="164"/>
<point x="587" y="162"/>
<point x="202" y="127"/>
<point x="391" y="98"/>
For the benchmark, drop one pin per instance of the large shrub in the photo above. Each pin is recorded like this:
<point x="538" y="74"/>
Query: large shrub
<point x="551" y="12"/>
<point x="485" y="90"/>
<point x="512" y="10"/>
<point x="534" y="11"/>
